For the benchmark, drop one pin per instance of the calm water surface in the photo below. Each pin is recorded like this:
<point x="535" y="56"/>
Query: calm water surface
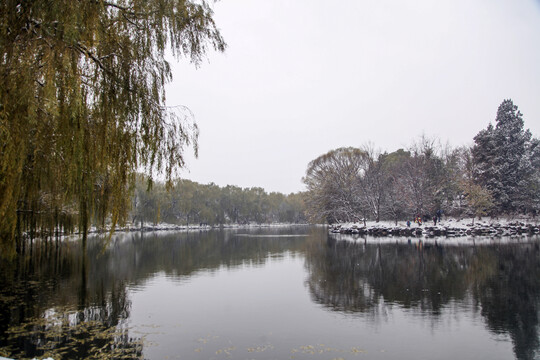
<point x="287" y="293"/>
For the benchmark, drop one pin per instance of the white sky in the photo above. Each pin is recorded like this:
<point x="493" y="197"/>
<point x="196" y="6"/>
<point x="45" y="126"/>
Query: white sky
<point x="302" y="77"/>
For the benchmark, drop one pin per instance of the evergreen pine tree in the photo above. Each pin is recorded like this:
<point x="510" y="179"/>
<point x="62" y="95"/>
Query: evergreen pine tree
<point x="503" y="158"/>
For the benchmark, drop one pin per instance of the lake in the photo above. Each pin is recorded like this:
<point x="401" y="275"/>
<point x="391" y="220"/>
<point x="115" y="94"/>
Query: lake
<point x="272" y="293"/>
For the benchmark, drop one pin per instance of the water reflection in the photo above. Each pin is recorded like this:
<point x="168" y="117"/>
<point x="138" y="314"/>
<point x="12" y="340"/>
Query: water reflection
<point x="503" y="280"/>
<point x="137" y="257"/>
<point x="57" y="302"/>
<point x="48" y="309"/>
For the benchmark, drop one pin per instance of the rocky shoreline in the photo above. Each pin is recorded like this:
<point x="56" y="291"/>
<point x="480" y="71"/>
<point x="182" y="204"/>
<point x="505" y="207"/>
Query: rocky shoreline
<point x="446" y="230"/>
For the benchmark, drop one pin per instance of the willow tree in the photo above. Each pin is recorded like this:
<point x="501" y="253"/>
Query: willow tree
<point x="82" y="105"/>
<point x="333" y="186"/>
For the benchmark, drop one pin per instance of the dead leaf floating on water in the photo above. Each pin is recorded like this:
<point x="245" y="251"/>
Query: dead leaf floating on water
<point x="260" y="348"/>
<point x="226" y="351"/>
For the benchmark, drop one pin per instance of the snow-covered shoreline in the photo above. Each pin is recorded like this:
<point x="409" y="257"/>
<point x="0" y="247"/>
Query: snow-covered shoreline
<point x="445" y="228"/>
<point x="168" y="227"/>
<point x="164" y="227"/>
<point x="147" y="227"/>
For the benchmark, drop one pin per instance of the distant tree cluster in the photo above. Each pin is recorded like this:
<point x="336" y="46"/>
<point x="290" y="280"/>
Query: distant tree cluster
<point x="499" y="174"/>
<point x="188" y="202"/>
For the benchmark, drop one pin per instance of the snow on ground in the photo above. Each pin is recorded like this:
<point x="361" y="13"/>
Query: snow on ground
<point x="448" y="222"/>
<point x="449" y="229"/>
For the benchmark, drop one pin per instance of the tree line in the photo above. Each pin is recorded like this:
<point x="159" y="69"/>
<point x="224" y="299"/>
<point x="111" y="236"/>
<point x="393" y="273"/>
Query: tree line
<point x="186" y="202"/>
<point x="499" y="174"/>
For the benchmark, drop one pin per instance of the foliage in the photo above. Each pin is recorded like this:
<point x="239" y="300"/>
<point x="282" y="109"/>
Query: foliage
<point x="499" y="174"/>
<point x="479" y="200"/>
<point x="351" y="184"/>
<point x="423" y="177"/>
<point x="505" y="156"/>
<point x="394" y="206"/>
<point x="188" y="202"/>
<point x="332" y="182"/>
<point x="82" y="105"/>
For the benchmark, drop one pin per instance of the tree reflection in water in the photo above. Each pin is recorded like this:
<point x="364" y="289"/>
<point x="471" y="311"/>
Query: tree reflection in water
<point x="503" y="281"/>
<point x="55" y="302"/>
<point x="47" y="309"/>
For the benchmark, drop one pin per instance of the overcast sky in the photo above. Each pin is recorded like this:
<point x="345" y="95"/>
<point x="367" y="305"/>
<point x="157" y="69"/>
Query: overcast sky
<point x="302" y="77"/>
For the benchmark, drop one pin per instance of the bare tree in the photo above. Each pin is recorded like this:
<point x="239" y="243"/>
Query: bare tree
<point x="332" y="182"/>
<point x="373" y="181"/>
